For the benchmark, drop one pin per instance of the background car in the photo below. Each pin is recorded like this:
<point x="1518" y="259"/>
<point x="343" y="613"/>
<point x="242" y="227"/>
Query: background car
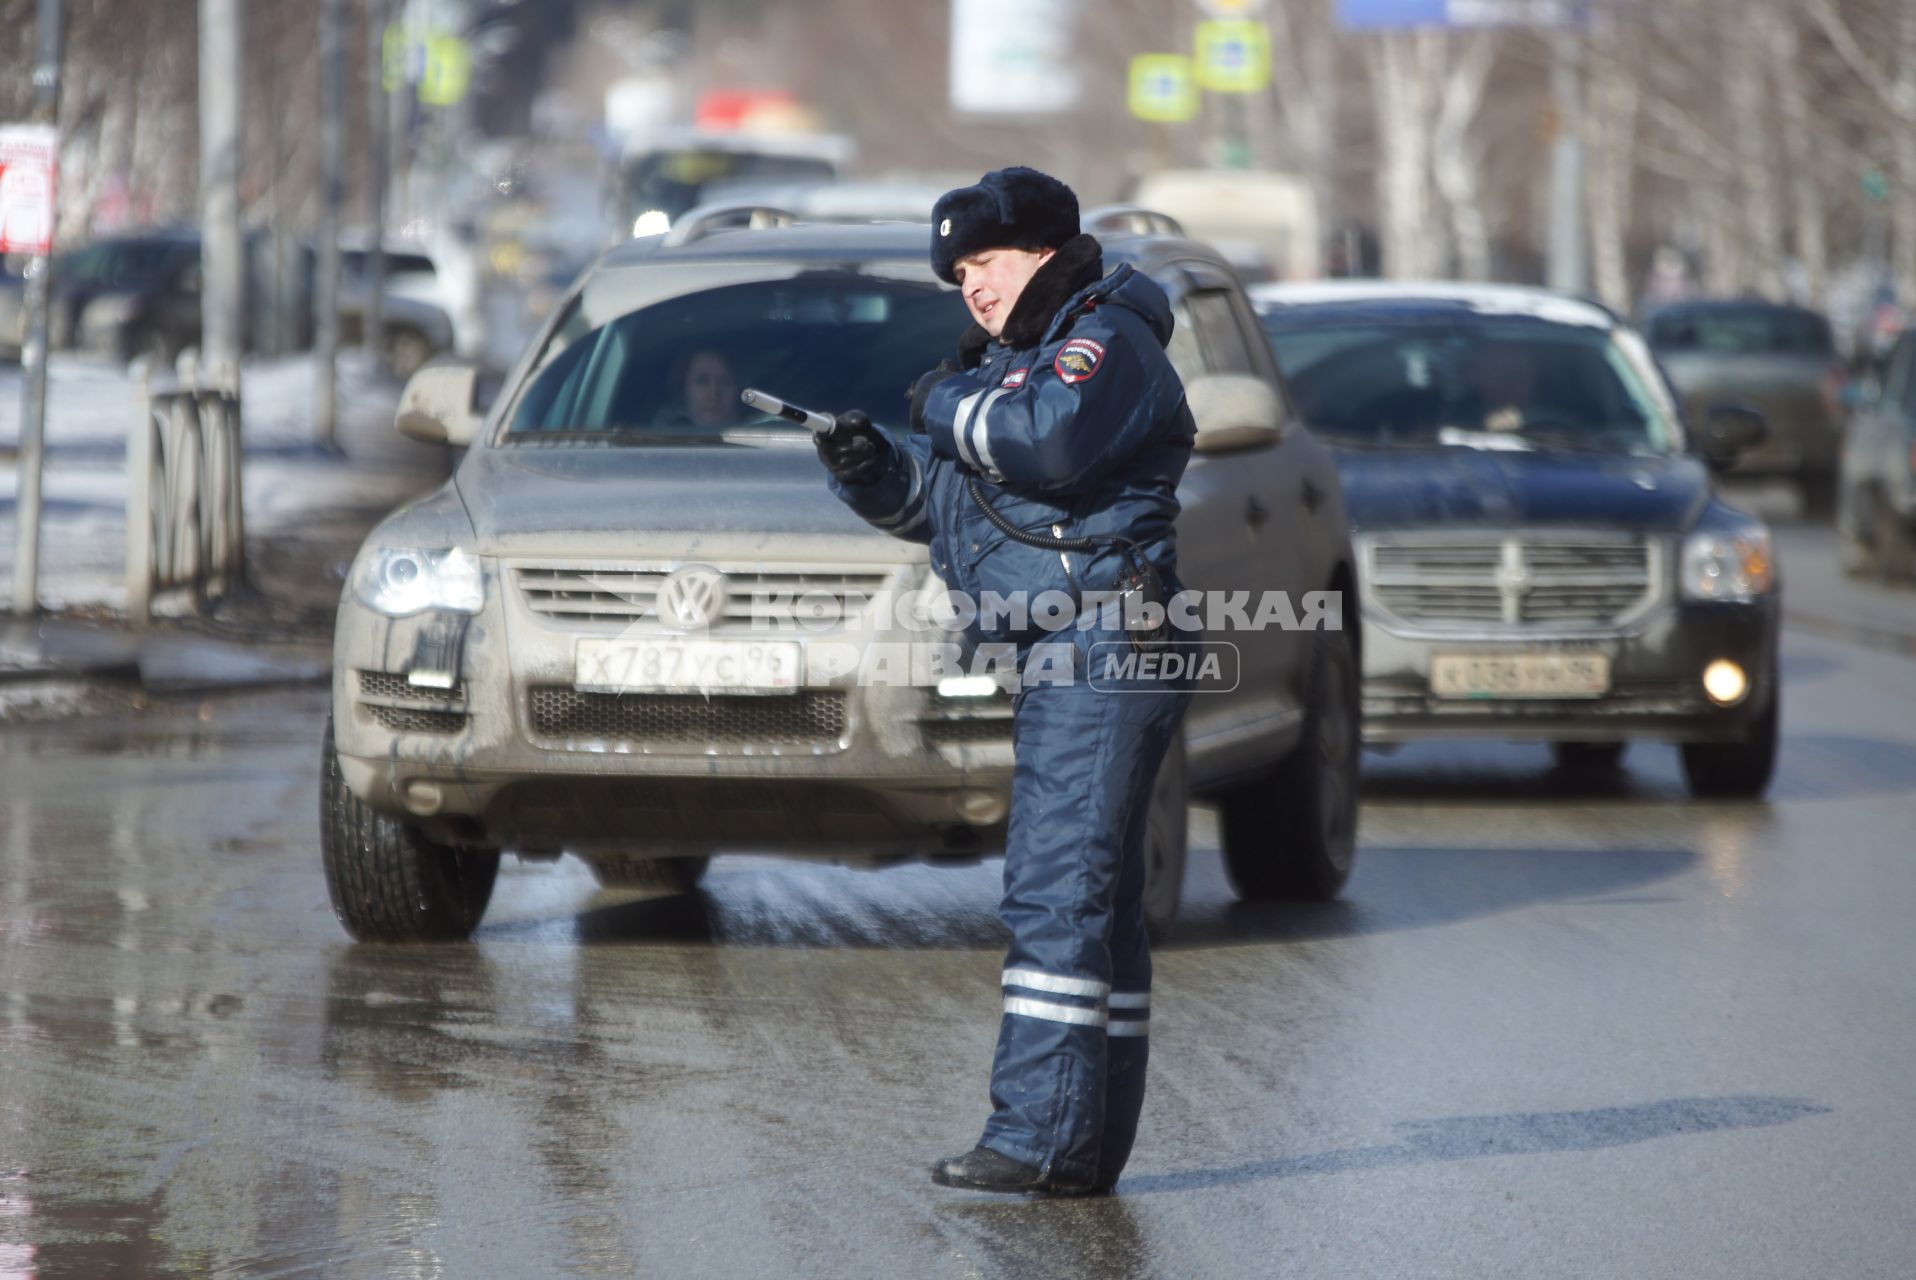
<point x="416" y="314"/>
<point x="473" y="709"/>
<point x="1541" y="553"/>
<point x="123" y="297"/>
<point x="1876" y="510"/>
<point x="1779" y="360"/>
<point x="665" y="173"/>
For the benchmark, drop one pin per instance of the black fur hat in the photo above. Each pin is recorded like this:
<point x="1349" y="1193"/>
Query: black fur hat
<point x="1015" y="208"/>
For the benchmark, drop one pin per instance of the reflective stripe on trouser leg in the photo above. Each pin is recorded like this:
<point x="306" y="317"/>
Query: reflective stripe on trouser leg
<point x="1073" y="902"/>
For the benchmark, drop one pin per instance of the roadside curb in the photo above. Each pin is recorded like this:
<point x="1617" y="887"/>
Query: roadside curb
<point x="157" y="660"/>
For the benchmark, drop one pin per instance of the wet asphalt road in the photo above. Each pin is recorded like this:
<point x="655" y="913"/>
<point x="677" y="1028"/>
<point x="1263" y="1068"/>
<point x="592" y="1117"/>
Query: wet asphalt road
<point x="1551" y="1031"/>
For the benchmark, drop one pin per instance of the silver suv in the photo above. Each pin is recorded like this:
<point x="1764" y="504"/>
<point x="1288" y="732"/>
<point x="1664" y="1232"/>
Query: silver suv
<point x="620" y="629"/>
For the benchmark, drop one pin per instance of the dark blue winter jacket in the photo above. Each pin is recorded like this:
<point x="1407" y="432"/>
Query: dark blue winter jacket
<point x="1076" y="422"/>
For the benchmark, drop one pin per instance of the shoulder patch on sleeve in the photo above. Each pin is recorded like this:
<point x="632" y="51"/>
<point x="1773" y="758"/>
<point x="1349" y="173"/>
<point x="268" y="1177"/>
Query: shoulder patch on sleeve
<point x="1078" y="359"/>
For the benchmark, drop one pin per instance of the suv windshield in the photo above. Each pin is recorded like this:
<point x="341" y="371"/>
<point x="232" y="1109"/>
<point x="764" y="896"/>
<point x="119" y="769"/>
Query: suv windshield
<point x="827" y="340"/>
<point x="1480" y="382"/>
<point x="1742" y="331"/>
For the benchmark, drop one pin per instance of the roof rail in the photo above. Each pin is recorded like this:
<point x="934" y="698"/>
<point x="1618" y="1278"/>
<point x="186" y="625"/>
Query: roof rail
<point x="1131" y="219"/>
<point x="696" y="224"/>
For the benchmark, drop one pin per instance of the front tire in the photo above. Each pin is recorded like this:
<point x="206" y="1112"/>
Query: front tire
<point x="1293" y="833"/>
<point x="387" y="881"/>
<point x="1736" y="770"/>
<point x="1166" y="841"/>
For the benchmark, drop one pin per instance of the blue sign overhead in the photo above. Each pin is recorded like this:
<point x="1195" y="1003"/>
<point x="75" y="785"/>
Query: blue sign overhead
<point x="1385" y="15"/>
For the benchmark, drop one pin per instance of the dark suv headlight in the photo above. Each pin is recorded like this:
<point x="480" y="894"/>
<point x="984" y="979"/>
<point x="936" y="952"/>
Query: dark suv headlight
<point x="1735" y="567"/>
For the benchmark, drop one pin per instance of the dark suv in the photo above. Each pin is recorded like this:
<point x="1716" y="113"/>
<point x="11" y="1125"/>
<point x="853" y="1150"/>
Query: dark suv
<point x="590" y="639"/>
<point x="124" y="297"/>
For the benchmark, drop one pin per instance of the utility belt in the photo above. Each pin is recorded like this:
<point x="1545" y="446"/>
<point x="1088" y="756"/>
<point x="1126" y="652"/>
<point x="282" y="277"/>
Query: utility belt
<point x="1138" y="585"/>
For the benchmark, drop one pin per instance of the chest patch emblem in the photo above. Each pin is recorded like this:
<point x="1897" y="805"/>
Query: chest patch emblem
<point x="1016" y="378"/>
<point x="1078" y="359"/>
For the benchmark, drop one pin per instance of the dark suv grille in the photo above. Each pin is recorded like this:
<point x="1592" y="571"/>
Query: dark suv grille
<point x="808" y="718"/>
<point x="1513" y="581"/>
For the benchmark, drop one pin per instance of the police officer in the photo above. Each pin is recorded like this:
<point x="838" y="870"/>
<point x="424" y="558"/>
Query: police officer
<point x="1044" y="465"/>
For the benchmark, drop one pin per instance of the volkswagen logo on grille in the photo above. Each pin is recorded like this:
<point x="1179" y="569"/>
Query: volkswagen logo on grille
<point x="692" y="597"/>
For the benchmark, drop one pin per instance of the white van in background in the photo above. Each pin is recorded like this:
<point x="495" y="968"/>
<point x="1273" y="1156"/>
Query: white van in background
<point x="1265" y="223"/>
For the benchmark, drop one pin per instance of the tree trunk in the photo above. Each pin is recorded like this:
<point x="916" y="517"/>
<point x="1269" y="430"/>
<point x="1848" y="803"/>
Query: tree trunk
<point x="1402" y="71"/>
<point x="1904" y="196"/>
<point x="1808" y="216"/>
<point x="1761" y="230"/>
<point x="1612" y="172"/>
<point x="1455" y="163"/>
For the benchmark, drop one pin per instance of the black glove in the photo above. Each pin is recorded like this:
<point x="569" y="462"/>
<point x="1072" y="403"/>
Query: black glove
<point x="921" y="389"/>
<point x="854" y="450"/>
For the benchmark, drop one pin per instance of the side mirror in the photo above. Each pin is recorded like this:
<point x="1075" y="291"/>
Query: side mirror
<point x="1234" y="411"/>
<point x="436" y="406"/>
<point x="1729" y="429"/>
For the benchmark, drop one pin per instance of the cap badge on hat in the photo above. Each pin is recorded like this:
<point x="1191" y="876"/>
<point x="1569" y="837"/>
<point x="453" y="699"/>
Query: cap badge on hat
<point x="944" y="228"/>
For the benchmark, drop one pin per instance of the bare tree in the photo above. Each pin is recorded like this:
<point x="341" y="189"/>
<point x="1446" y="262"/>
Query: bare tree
<point x="1889" y="26"/>
<point x="1456" y="153"/>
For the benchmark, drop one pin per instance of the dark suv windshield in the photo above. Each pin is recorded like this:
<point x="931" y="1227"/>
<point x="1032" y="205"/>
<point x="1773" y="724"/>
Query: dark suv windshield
<point x="828" y="340"/>
<point x="1478" y="381"/>
<point x="1742" y="331"/>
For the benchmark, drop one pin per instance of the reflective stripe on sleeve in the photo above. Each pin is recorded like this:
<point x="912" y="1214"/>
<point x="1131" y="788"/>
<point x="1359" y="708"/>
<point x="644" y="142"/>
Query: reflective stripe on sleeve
<point x="961" y="426"/>
<point x="1130" y="1000"/>
<point x="981" y="432"/>
<point x="1050" y="1012"/>
<point x="1130" y="1027"/>
<point x="1039" y="980"/>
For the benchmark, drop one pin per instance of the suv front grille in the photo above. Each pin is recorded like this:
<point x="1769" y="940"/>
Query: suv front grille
<point x="815" y="718"/>
<point x="625" y="595"/>
<point x="397" y="705"/>
<point x="1537" y="581"/>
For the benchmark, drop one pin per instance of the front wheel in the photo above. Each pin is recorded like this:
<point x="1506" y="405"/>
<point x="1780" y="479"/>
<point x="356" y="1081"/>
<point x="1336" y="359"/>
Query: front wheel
<point x="388" y="882"/>
<point x="1293" y="833"/>
<point x="1736" y="770"/>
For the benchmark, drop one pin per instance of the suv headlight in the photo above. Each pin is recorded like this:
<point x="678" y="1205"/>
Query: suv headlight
<point x="398" y="582"/>
<point x="1733" y="567"/>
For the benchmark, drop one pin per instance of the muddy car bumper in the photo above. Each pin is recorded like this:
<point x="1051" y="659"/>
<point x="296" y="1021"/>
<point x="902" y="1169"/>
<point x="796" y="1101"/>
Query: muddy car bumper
<point x="1655" y="690"/>
<point x="431" y="725"/>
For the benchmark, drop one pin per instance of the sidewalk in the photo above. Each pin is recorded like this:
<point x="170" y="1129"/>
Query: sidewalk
<point x="306" y="510"/>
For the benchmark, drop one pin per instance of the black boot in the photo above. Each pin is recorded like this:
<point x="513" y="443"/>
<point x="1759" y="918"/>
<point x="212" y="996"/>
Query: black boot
<point x="982" y="1169"/>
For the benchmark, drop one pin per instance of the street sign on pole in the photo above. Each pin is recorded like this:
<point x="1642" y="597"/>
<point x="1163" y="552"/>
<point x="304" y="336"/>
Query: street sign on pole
<point x="1014" y="57"/>
<point x="448" y="70"/>
<point x="1233" y="56"/>
<point x="27" y="154"/>
<point x="1163" y="88"/>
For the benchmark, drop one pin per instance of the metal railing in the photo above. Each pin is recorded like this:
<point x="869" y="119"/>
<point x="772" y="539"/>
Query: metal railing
<point x="185" y="525"/>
